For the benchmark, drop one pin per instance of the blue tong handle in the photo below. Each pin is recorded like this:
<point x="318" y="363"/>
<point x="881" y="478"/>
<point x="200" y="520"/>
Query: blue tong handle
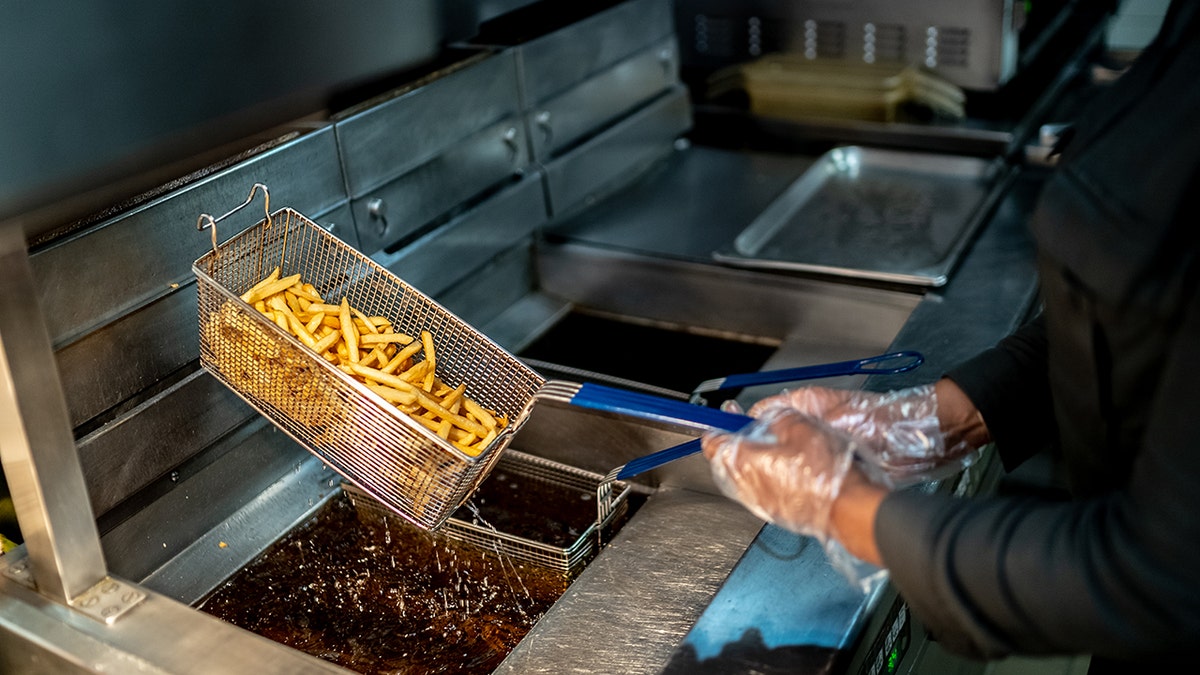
<point x="884" y="364"/>
<point x="645" y="406"/>
<point x="600" y="397"/>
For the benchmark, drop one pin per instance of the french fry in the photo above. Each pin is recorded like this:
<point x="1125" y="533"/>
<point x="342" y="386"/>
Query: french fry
<point x="485" y="418"/>
<point x="401" y="356"/>
<point x="270" y="278"/>
<point x="364" y="321"/>
<point x="305" y="291"/>
<point x="369" y="349"/>
<point x="349" y="332"/>
<point x="322" y="307"/>
<point x="386" y="338"/>
<point x="392" y="394"/>
<point x="267" y="290"/>
<point x="315" y="322"/>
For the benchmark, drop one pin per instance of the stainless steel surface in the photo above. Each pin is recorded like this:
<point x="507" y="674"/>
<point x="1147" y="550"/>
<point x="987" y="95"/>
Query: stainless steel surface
<point x="299" y="484"/>
<point x="460" y="174"/>
<point x="973" y="44"/>
<point x="36" y="447"/>
<point x="388" y="139"/>
<point x="471" y="240"/>
<point x="896" y="216"/>
<point x="144" y="124"/>
<point x="992" y="293"/>
<point x="375" y="446"/>
<point x="677" y="196"/>
<point x="157" y="636"/>
<point x="618" y="155"/>
<point x="179" y="423"/>
<point x="144" y="255"/>
<point x="560" y="122"/>
<point x="558" y="61"/>
<point x="635" y="602"/>
<point x="745" y="304"/>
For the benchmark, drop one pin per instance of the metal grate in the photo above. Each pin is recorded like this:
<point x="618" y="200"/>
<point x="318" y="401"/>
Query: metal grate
<point x="566" y="559"/>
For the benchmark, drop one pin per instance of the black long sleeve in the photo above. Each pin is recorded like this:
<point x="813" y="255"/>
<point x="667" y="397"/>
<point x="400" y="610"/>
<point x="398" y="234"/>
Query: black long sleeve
<point x="1114" y="575"/>
<point x="1009" y="384"/>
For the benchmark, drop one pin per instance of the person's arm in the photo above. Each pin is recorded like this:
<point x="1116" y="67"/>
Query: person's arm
<point x="1114" y="575"/>
<point x="853" y="514"/>
<point x="1009" y="386"/>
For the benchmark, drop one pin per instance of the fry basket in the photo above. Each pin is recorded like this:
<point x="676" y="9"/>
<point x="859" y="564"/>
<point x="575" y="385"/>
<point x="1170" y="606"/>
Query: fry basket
<point x="541" y="548"/>
<point x="374" y="446"/>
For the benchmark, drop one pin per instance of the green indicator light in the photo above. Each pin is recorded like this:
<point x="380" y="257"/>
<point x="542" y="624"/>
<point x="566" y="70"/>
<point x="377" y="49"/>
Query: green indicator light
<point x="893" y="661"/>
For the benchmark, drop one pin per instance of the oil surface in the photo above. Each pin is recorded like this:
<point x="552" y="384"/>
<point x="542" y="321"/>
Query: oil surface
<point x="532" y="509"/>
<point x="377" y="596"/>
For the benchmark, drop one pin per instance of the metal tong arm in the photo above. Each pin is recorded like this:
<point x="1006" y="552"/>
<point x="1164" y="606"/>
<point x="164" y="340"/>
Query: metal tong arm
<point x="656" y="459"/>
<point x="599" y="397"/>
<point x="645" y="406"/>
<point x="874" y="365"/>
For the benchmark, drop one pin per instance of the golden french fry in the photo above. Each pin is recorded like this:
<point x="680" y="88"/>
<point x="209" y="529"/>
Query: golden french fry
<point x="324" y="344"/>
<point x="293" y="302"/>
<point x="386" y="338"/>
<point x="383" y="378"/>
<point x="401" y="356"/>
<point x="305" y="291"/>
<point x="417" y="372"/>
<point x="364" y="321"/>
<point x="315" y="322"/>
<point x="485" y="418"/>
<point x="323" y="307"/>
<point x="427" y="343"/>
<point x="270" y="289"/>
<point x="349" y="332"/>
<point x="391" y="394"/>
<point x="270" y="278"/>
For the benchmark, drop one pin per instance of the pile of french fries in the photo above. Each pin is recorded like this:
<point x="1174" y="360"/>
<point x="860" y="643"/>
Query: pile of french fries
<point x="369" y="349"/>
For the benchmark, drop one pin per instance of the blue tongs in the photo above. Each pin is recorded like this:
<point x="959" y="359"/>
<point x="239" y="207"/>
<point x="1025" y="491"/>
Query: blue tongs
<point x="645" y="406"/>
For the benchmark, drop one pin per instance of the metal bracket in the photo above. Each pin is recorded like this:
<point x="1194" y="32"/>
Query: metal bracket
<point x="108" y="600"/>
<point x="18" y="568"/>
<point x="105" y="602"/>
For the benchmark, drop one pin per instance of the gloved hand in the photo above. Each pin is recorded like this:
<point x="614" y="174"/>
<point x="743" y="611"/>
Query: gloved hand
<point x="899" y="432"/>
<point x="785" y="467"/>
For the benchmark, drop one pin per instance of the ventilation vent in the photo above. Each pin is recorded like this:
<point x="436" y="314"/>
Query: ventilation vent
<point x="717" y="36"/>
<point x="947" y="47"/>
<point x="824" y="39"/>
<point x="884" y="43"/>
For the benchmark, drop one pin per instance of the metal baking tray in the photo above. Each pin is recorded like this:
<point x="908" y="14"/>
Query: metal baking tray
<point x="887" y="215"/>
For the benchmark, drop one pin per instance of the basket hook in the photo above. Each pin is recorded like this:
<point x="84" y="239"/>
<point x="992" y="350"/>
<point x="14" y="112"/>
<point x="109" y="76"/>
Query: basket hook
<point x="212" y="222"/>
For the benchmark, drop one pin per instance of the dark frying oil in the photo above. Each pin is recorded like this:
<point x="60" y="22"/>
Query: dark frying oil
<point x="520" y="505"/>
<point x="377" y="596"/>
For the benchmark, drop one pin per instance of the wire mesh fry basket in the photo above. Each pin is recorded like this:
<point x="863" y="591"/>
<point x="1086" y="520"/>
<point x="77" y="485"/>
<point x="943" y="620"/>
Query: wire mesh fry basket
<point x="372" y="444"/>
<point x="543" y="548"/>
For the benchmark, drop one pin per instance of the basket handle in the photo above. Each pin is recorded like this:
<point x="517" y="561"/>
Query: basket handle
<point x="212" y="222"/>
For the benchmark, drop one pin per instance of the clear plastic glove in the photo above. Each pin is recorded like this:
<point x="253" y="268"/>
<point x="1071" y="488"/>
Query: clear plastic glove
<point x="898" y="432"/>
<point x="789" y="469"/>
<point x="785" y="467"/>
